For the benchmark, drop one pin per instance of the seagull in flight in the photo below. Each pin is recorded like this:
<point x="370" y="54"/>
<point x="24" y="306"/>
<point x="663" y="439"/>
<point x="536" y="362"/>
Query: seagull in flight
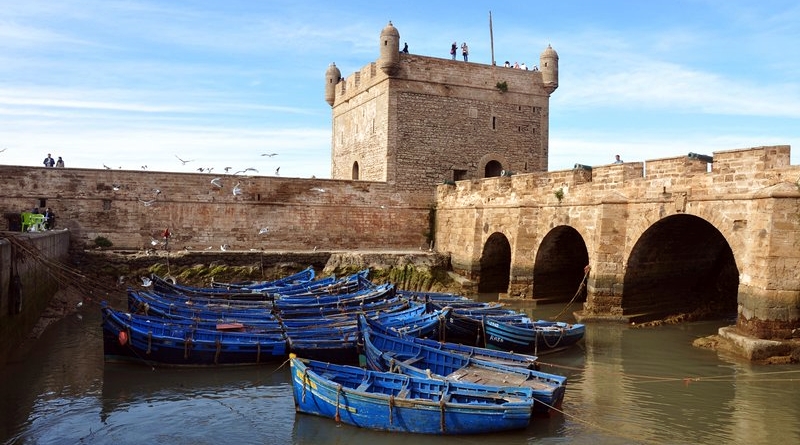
<point x="249" y="169"/>
<point x="263" y="230"/>
<point x="278" y="171"/>
<point x="3" y="149"/>
<point x="116" y="187"/>
<point x="269" y="154"/>
<point x="146" y="282"/>
<point x="183" y="161"/>
<point x="147" y="203"/>
<point x="156" y="192"/>
<point x="227" y="169"/>
<point x="144" y="167"/>
<point x="217" y="182"/>
<point x="318" y="189"/>
<point x="237" y="190"/>
<point x="224" y="247"/>
<point x="107" y="167"/>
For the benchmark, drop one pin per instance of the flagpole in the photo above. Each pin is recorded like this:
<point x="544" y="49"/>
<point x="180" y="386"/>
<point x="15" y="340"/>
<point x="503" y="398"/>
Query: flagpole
<point x="491" y="37"/>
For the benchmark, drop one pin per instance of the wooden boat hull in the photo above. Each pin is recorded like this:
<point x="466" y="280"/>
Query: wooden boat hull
<point x="535" y="337"/>
<point x="387" y="353"/>
<point x="400" y="403"/>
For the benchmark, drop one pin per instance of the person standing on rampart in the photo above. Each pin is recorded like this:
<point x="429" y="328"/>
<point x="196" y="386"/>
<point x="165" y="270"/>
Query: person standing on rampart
<point x="453" y="49"/>
<point x="49" y="161"/>
<point x="60" y="163"/>
<point x="465" y="51"/>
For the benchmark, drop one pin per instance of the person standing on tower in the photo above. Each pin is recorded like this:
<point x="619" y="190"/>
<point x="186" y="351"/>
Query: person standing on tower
<point x="453" y="48"/>
<point x="464" y="51"/>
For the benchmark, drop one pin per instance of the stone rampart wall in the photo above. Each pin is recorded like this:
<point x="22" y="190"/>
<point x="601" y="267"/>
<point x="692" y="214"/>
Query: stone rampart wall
<point x="132" y="208"/>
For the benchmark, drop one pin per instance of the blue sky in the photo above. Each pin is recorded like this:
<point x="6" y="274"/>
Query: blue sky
<point x="135" y="83"/>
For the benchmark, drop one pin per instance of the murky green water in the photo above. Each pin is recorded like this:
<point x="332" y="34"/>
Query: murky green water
<point x="625" y="386"/>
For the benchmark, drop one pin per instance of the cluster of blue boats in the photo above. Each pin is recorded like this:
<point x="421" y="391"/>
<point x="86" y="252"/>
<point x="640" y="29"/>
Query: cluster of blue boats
<point x="361" y="353"/>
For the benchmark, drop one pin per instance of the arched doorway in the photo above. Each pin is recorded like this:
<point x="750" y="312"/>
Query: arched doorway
<point x="559" y="268"/>
<point x="492" y="169"/>
<point x="681" y="266"/>
<point x="495" y="265"/>
<point x="355" y="171"/>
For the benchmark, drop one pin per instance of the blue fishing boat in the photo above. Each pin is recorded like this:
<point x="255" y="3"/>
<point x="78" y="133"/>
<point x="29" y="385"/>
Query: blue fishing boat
<point x="402" y="403"/>
<point x="491" y="355"/>
<point x="126" y="337"/>
<point x="390" y="353"/>
<point x="304" y="276"/>
<point x="536" y="337"/>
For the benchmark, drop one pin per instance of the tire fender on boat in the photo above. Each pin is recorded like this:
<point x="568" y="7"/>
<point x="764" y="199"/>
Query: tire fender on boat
<point x="170" y="279"/>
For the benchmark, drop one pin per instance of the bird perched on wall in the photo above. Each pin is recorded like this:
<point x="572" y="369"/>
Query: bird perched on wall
<point x="183" y="161"/>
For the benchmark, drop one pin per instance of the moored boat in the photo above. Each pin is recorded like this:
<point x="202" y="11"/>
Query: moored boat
<point x="389" y="353"/>
<point x="402" y="403"/>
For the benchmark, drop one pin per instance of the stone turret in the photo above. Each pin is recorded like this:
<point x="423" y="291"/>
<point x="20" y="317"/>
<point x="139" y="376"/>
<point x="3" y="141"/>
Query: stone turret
<point x="332" y="76"/>
<point x="548" y="64"/>
<point x="389" y="60"/>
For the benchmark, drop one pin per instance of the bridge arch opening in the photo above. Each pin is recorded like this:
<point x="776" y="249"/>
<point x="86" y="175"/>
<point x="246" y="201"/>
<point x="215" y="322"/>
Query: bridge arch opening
<point x="495" y="265"/>
<point x="681" y="268"/>
<point x="558" y="269"/>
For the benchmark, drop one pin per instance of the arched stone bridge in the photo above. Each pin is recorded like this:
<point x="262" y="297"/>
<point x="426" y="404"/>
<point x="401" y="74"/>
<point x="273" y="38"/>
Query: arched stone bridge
<point x="669" y="236"/>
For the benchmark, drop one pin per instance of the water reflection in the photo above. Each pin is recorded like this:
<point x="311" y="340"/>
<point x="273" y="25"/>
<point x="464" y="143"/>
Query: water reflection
<point x="625" y="386"/>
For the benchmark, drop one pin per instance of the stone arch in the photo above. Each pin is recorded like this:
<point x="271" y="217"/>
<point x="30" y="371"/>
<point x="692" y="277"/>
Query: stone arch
<point x="356" y="173"/>
<point x="493" y="163"/>
<point x="495" y="264"/>
<point x="681" y="264"/>
<point x="559" y="267"/>
<point x="492" y="169"/>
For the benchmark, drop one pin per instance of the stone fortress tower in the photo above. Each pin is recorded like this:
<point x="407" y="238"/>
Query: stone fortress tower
<point x="416" y="121"/>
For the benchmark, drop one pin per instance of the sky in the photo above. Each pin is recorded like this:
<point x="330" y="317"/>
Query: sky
<point x="149" y="84"/>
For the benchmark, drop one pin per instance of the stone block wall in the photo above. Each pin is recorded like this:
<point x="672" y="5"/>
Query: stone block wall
<point x="132" y="208"/>
<point x="436" y="118"/>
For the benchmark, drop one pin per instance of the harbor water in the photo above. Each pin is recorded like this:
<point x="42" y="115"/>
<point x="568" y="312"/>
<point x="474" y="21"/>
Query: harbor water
<point x="626" y="385"/>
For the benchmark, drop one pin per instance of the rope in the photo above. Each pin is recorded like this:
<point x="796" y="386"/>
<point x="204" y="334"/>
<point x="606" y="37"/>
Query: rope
<point x="149" y="341"/>
<point x="219" y="349"/>
<point x="391" y="407"/>
<point x="442" y="425"/>
<point x="338" y="418"/>
<point x="586" y="271"/>
<point x="186" y="347"/>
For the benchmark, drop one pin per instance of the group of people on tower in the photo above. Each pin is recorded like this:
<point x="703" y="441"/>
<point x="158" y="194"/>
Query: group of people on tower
<point x="464" y="51"/>
<point x="50" y="162"/>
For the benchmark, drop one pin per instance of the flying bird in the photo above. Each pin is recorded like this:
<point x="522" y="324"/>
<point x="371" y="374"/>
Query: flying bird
<point x="318" y="189"/>
<point x="269" y="154"/>
<point x="3" y="149"/>
<point x="224" y="247"/>
<point x="249" y="169"/>
<point x="116" y="187"/>
<point x="263" y="230"/>
<point x="217" y="182"/>
<point x="200" y="169"/>
<point x="144" y="167"/>
<point x="107" y="167"/>
<point x="278" y="171"/>
<point x="183" y="161"/>
<point x="154" y="242"/>
<point x="227" y="169"/>
<point x="237" y="190"/>
<point x="147" y="203"/>
<point x="146" y="282"/>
